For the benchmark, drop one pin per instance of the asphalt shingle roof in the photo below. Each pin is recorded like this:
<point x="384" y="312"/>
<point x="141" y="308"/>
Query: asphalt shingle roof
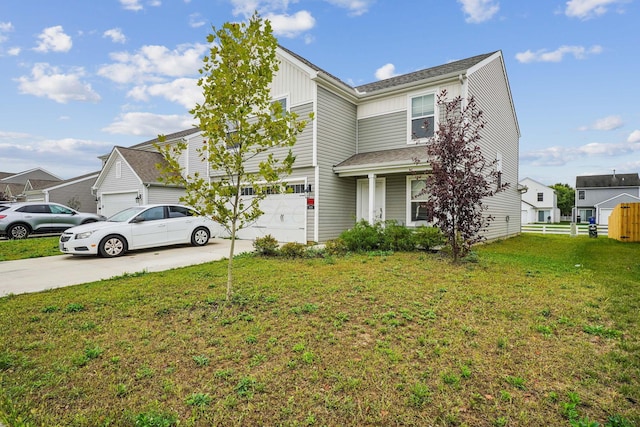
<point x="394" y="156"/>
<point x="616" y="180"/>
<point x="144" y="163"/>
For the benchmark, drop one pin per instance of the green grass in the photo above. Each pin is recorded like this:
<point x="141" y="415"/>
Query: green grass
<point x="541" y="330"/>
<point x="29" y="248"/>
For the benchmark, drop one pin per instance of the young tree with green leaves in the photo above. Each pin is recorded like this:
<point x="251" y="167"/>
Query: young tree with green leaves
<point x="460" y="176"/>
<point x="240" y="123"/>
<point x="566" y="198"/>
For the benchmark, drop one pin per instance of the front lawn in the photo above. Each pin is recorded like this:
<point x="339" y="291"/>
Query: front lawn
<point x="33" y="247"/>
<point x="541" y="330"/>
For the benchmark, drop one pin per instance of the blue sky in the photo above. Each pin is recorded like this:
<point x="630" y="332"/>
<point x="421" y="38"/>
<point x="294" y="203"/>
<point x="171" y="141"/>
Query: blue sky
<point x="78" y="77"/>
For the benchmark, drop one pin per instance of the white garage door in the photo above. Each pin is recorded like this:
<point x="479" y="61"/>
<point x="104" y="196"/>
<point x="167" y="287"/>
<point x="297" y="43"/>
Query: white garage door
<point x="604" y="216"/>
<point x="115" y="202"/>
<point x="285" y="217"/>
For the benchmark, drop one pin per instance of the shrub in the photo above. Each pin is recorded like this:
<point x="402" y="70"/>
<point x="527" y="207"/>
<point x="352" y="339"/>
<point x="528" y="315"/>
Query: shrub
<point x="428" y="238"/>
<point x="335" y="247"/>
<point x="267" y="245"/>
<point x="363" y="237"/>
<point x="396" y="237"/>
<point x="293" y="250"/>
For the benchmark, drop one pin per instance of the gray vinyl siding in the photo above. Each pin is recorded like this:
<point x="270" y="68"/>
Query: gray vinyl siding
<point x="303" y="148"/>
<point x="80" y="191"/>
<point x="383" y="132"/>
<point x="127" y="181"/>
<point x="490" y="88"/>
<point x="164" y="195"/>
<point x="336" y="135"/>
<point x="597" y="195"/>
<point x="396" y="198"/>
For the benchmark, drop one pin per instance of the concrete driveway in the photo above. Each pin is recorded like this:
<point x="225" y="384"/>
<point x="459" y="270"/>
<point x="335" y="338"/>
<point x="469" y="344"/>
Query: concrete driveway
<point x="38" y="274"/>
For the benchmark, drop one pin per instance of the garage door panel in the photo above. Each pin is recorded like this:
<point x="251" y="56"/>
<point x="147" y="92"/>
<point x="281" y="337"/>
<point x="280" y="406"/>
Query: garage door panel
<point x="115" y="202"/>
<point x="284" y="218"/>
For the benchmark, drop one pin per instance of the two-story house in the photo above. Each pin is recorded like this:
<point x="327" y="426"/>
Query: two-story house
<point x="357" y="158"/>
<point x="539" y="202"/>
<point x="598" y="195"/>
<point x="12" y="185"/>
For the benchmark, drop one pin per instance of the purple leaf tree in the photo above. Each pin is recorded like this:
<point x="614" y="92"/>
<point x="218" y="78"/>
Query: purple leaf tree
<point x="460" y="178"/>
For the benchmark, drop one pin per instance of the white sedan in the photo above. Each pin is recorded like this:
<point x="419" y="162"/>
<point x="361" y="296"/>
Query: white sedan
<point x="138" y="227"/>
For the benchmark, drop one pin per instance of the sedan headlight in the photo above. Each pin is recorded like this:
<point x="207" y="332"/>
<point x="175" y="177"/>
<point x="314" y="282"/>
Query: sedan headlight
<point x="84" y="235"/>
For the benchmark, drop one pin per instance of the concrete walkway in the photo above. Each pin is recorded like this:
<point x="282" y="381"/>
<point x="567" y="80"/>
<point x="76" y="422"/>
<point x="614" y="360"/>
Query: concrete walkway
<point x="38" y="274"/>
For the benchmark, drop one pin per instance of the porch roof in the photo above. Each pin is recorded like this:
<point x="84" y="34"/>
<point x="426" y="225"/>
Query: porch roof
<point x="398" y="160"/>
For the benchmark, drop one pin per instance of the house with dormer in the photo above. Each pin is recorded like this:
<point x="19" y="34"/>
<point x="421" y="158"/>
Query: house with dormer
<point x="357" y="159"/>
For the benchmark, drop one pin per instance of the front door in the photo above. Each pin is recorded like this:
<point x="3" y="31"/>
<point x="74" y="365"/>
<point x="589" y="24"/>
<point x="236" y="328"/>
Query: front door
<point x="363" y="200"/>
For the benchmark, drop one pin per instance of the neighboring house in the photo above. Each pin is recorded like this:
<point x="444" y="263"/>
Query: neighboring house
<point x="539" y="202"/>
<point x="597" y="195"/>
<point x="12" y="185"/>
<point x="129" y="176"/>
<point x="356" y="159"/>
<point x="74" y="192"/>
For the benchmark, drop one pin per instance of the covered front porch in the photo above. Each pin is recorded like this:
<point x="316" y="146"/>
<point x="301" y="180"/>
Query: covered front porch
<point x="389" y="184"/>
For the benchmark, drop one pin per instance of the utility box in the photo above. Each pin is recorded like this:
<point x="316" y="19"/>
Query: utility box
<point x="624" y="222"/>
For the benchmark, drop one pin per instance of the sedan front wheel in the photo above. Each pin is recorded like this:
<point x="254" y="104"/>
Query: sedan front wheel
<point x="112" y="246"/>
<point x="200" y="237"/>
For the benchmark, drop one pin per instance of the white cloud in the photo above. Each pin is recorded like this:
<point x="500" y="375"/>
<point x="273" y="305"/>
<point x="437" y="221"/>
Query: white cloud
<point x="14" y="51"/>
<point x="355" y="7"/>
<point x="606" y="123"/>
<point x="154" y="64"/>
<point x="634" y="137"/>
<point x="131" y="4"/>
<point x="291" y="25"/>
<point x="24" y="151"/>
<point x="54" y="39"/>
<point x="116" y="35"/>
<point x="184" y="91"/>
<point x="5" y="27"/>
<point x="196" y="21"/>
<point x="578" y="52"/>
<point x="479" y="10"/>
<point x="148" y="124"/>
<point x="386" y="71"/>
<point x="48" y="82"/>
<point x="585" y="9"/>
<point x="560" y="156"/>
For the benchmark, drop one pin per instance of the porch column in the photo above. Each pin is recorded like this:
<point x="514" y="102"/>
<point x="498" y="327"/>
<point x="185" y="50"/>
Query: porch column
<point x="372" y="198"/>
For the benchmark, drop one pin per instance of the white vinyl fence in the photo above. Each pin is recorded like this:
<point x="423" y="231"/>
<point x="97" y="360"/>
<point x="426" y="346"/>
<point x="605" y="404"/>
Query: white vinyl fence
<point x="580" y="229"/>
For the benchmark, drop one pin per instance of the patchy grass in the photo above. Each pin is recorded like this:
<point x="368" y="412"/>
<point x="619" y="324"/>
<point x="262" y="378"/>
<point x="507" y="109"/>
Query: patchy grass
<point x="34" y="247"/>
<point x="541" y="330"/>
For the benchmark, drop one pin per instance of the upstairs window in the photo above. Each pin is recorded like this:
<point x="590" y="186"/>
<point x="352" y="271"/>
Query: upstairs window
<point x="540" y="197"/>
<point x="581" y="195"/>
<point x="422" y="117"/>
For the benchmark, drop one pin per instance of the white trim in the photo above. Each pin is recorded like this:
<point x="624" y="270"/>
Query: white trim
<point x="408" y="200"/>
<point x="410" y="97"/>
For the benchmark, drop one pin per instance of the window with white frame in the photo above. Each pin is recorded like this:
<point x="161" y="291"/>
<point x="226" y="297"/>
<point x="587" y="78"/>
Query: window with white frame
<point x="417" y="198"/>
<point x="422" y="116"/>
<point x="541" y="197"/>
<point x="118" y="169"/>
<point x="283" y="102"/>
<point x="581" y="195"/>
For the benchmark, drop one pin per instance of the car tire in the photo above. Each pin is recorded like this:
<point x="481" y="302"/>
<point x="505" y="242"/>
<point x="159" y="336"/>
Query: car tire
<point x="112" y="246"/>
<point x="18" y="231"/>
<point x="200" y="236"/>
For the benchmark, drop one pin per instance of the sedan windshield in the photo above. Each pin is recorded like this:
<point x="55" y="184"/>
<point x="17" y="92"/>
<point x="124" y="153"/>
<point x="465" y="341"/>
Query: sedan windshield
<point x="126" y="214"/>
